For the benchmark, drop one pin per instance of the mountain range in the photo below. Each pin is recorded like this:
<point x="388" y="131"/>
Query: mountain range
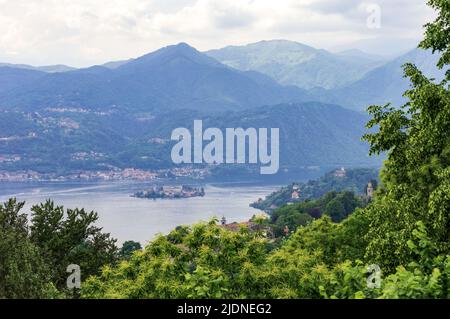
<point x="232" y="78"/>
<point x="384" y="84"/>
<point x="352" y="78"/>
<point x="174" y="77"/>
<point x="292" y="63"/>
<point x="124" y="111"/>
<point x="46" y="68"/>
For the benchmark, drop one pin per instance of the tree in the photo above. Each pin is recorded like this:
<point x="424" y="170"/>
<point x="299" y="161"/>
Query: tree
<point x="437" y="33"/>
<point x="128" y="248"/>
<point x="70" y="237"/>
<point x="23" y="272"/>
<point x="335" y="209"/>
<point x="416" y="174"/>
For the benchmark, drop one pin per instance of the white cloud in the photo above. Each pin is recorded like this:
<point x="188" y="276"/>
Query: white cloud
<point x="83" y="32"/>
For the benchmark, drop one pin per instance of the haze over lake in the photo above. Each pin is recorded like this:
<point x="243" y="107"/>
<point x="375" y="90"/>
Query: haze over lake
<point x="129" y="218"/>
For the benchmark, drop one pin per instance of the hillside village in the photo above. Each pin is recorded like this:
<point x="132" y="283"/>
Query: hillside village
<point x="360" y="181"/>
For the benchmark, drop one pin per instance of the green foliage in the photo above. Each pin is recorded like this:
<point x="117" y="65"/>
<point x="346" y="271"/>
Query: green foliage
<point x="34" y="258"/>
<point x="70" y="237"/>
<point x="428" y="276"/>
<point x="336" y="205"/>
<point x="415" y="176"/>
<point x="301" y="269"/>
<point x="288" y="216"/>
<point x="437" y="34"/>
<point x="355" y="180"/>
<point x="205" y="261"/>
<point x="213" y="262"/>
<point x="128" y="248"/>
<point x="23" y="271"/>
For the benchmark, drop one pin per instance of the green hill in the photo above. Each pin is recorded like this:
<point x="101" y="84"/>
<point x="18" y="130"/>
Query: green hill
<point x="354" y="180"/>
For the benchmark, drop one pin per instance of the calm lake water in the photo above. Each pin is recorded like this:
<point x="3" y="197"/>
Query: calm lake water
<point x="129" y="218"/>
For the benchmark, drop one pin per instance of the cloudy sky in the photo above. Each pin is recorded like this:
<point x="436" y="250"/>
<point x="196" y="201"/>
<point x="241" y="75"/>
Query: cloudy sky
<point x="86" y="32"/>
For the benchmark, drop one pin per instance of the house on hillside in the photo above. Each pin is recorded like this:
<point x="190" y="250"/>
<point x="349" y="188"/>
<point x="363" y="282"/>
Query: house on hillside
<point x="295" y="195"/>
<point x="340" y="172"/>
<point x="370" y="190"/>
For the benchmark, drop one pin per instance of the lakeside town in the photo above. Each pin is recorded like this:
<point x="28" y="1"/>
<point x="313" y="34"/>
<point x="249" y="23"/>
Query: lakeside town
<point x="114" y="174"/>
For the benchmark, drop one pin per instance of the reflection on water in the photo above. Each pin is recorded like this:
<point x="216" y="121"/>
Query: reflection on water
<point x="129" y="218"/>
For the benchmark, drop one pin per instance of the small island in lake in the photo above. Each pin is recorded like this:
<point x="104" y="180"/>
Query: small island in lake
<point x="183" y="191"/>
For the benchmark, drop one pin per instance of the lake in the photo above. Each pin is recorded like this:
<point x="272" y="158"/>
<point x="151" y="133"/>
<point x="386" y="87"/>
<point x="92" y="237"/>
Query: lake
<point x="129" y="218"/>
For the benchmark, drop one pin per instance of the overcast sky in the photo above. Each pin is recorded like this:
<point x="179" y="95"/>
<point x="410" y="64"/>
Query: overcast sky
<point x="87" y="32"/>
